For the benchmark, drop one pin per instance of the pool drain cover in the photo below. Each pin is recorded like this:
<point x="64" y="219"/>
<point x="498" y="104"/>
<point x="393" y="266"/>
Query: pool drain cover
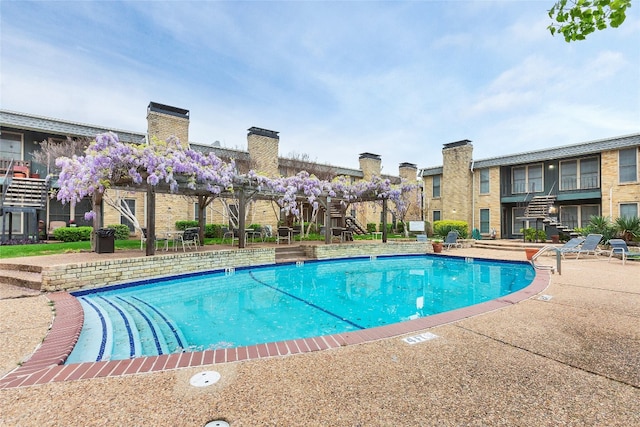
<point x="204" y="379"/>
<point x="217" y="423"/>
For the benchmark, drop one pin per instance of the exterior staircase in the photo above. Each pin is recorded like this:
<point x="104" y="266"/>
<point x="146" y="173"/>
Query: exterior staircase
<point x="354" y="225"/>
<point x="25" y="193"/>
<point x="539" y="208"/>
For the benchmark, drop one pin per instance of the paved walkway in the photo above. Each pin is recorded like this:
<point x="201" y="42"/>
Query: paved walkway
<point x="569" y="358"/>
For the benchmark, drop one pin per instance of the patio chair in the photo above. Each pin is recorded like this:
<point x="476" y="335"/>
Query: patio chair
<point x="159" y="240"/>
<point x="284" y="233"/>
<point x="451" y="240"/>
<point x="590" y="245"/>
<point x="190" y="238"/>
<point x="53" y="225"/>
<point x="571" y="247"/>
<point x="229" y="234"/>
<point x="619" y="246"/>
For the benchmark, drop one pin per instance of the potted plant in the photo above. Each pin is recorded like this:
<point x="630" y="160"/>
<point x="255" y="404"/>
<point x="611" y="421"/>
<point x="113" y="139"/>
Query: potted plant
<point x="437" y="245"/>
<point x="72" y="223"/>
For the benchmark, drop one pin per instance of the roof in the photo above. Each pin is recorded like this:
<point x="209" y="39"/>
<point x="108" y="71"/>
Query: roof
<point x="574" y="150"/>
<point x="62" y="127"/>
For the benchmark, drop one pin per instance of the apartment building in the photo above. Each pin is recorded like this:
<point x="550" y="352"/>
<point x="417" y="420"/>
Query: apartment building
<point x="556" y="189"/>
<point x="21" y="134"/>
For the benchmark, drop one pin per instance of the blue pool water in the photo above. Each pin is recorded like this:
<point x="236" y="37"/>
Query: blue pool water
<point x="248" y="306"/>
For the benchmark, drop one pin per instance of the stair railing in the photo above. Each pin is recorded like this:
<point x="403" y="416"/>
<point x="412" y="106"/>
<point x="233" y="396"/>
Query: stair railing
<point x="8" y="179"/>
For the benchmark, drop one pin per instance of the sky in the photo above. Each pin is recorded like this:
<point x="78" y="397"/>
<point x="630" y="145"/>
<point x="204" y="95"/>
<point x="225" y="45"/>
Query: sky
<point x="336" y="79"/>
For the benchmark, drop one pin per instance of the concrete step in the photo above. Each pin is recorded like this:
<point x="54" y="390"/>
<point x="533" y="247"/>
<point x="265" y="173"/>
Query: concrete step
<point x="25" y="279"/>
<point x="288" y="253"/>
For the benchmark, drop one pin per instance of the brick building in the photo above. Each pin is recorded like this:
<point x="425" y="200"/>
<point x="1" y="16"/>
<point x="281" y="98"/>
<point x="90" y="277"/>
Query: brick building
<point x="22" y="133"/>
<point x="557" y="189"/>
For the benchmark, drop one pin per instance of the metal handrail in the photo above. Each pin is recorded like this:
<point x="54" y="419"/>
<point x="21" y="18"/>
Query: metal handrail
<point x="544" y="249"/>
<point x="8" y="179"/>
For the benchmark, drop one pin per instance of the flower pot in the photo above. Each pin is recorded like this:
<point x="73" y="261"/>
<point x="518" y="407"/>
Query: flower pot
<point x="437" y="247"/>
<point x="530" y="252"/>
<point x="555" y="238"/>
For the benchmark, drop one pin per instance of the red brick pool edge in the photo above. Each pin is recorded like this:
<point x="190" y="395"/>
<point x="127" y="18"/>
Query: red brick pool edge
<point x="46" y="363"/>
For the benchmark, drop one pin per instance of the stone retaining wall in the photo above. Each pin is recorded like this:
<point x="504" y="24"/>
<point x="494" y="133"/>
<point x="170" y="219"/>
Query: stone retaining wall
<point x="113" y="271"/>
<point x="365" y="249"/>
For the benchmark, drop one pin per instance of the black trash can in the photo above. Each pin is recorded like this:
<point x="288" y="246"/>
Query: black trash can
<point x="105" y="241"/>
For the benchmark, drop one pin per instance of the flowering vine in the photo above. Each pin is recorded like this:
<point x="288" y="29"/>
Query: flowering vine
<point x="108" y="162"/>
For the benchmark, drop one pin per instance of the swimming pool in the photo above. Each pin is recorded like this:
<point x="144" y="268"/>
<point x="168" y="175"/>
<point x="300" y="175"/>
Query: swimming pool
<point x="234" y="308"/>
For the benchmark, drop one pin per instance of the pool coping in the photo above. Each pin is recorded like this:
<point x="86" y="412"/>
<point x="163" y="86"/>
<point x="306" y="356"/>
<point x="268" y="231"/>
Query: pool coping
<point x="46" y="363"/>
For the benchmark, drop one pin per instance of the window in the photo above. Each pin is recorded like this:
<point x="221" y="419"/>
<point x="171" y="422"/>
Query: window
<point x="519" y="180"/>
<point x="527" y="179"/>
<point x="196" y="212"/>
<point x="628" y="164"/>
<point x="580" y="174"/>
<point x="589" y="176"/>
<point x="518" y="224"/>
<point x="436" y="216"/>
<point x="131" y="205"/>
<point x="586" y="212"/>
<point x="628" y="210"/>
<point x="535" y="179"/>
<point x="569" y="216"/>
<point x="484" y="220"/>
<point x="436" y="186"/>
<point x="484" y="181"/>
<point x="569" y="175"/>
<point x="11" y="145"/>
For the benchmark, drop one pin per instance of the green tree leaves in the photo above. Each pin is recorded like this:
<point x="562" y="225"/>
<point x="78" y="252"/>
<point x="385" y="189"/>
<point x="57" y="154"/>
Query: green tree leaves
<point x="575" y="19"/>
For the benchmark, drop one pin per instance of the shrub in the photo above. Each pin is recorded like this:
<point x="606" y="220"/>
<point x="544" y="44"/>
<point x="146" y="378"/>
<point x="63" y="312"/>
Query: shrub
<point x="533" y="235"/>
<point x="443" y="227"/>
<point x="371" y="227"/>
<point x="183" y="225"/>
<point x="213" y="231"/>
<point x="400" y="227"/>
<point x="601" y="225"/>
<point x="389" y="228"/>
<point x="73" y="234"/>
<point x="122" y="231"/>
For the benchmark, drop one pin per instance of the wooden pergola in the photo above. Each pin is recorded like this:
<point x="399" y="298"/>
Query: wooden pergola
<point x="243" y="191"/>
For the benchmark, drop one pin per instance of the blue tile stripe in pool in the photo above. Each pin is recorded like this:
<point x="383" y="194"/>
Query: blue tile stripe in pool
<point x="103" y="324"/>
<point x="132" y="344"/>
<point x="156" y="340"/>
<point x="309" y="303"/>
<point x="164" y="318"/>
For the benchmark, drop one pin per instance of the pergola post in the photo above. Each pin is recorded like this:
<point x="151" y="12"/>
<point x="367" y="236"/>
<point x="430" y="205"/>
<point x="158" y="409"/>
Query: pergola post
<point x="242" y="209"/>
<point x="327" y="220"/>
<point x="151" y="220"/>
<point x="97" y="219"/>
<point x="384" y="220"/>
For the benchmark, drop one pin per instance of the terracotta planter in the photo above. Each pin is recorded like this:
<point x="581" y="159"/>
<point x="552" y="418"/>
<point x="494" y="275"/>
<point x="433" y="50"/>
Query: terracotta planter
<point x="437" y="247"/>
<point x="530" y="252"/>
<point x="555" y="238"/>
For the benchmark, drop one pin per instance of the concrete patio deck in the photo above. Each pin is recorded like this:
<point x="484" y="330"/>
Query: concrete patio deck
<point x="571" y="359"/>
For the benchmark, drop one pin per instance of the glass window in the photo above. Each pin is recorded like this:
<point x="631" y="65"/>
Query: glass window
<point x="196" y="212"/>
<point x="11" y="146"/>
<point x="586" y="212"/>
<point x="628" y="161"/>
<point x="436" y="186"/>
<point x="589" y="173"/>
<point x="535" y="178"/>
<point x="518" y="224"/>
<point x="436" y="216"/>
<point x="131" y="204"/>
<point x="569" y="175"/>
<point x="628" y="210"/>
<point x="484" y="220"/>
<point x="484" y="181"/>
<point x="569" y="216"/>
<point x="520" y="180"/>
<point x="83" y="206"/>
